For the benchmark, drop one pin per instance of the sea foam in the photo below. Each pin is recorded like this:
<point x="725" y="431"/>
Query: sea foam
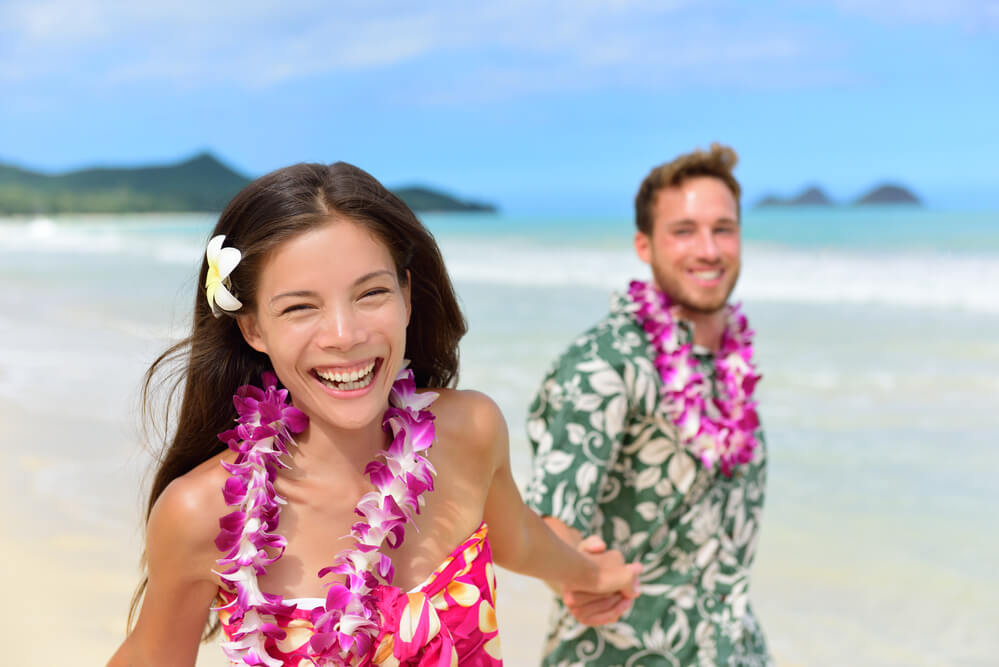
<point x="770" y="273"/>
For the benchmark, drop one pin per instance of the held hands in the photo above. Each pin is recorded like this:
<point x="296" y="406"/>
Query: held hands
<point x="615" y="586"/>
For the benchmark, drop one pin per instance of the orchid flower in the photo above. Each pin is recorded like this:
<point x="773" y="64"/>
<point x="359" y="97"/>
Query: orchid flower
<point x="346" y="626"/>
<point x="721" y="430"/>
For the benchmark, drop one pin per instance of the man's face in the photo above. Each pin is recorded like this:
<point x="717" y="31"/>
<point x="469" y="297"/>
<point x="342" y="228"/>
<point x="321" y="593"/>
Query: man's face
<point x="695" y="246"/>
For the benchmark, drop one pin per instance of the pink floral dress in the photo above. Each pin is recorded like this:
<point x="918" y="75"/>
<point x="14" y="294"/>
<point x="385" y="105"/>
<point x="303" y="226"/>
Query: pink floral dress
<point x="449" y="619"/>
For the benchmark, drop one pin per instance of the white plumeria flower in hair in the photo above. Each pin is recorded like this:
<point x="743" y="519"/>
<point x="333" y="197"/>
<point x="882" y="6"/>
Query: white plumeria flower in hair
<point x="221" y="262"/>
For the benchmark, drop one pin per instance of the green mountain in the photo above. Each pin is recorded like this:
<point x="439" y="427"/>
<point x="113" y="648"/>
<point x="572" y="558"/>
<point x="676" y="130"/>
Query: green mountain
<point x="426" y="200"/>
<point x="201" y="183"/>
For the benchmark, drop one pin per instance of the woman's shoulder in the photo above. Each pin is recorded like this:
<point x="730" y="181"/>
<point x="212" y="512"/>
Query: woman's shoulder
<point x="186" y="515"/>
<point x="466" y="408"/>
<point x="468" y="415"/>
<point x="194" y="491"/>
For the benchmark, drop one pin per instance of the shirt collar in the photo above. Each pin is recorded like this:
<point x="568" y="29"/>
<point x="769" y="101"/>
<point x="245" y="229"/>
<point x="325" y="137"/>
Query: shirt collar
<point x="621" y="303"/>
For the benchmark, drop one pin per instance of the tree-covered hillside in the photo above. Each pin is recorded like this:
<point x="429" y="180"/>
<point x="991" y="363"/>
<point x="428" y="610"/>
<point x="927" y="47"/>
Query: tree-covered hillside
<point x="202" y="183"/>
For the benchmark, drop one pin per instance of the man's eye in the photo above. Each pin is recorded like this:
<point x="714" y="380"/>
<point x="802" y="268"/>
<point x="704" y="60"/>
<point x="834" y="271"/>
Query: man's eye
<point x="681" y="232"/>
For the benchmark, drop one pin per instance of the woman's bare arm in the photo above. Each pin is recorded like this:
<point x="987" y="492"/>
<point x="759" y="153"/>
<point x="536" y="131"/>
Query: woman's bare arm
<point x="520" y="539"/>
<point x="180" y="555"/>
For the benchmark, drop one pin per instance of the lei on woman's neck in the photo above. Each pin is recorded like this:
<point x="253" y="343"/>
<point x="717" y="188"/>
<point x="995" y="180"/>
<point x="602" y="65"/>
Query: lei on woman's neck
<point x="718" y="429"/>
<point x="348" y="623"/>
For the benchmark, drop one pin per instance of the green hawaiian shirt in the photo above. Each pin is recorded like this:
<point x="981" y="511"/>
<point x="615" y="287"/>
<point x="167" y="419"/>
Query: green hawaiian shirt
<point x="607" y="462"/>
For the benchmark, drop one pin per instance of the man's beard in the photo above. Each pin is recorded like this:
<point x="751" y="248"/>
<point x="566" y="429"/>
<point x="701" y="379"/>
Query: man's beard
<point x="680" y="293"/>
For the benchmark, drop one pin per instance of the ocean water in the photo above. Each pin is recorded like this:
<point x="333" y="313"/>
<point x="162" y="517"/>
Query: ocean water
<point x="878" y="338"/>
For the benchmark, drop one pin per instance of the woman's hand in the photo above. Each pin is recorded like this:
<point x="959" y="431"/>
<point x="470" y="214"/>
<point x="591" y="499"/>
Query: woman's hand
<point x="614" y="588"/>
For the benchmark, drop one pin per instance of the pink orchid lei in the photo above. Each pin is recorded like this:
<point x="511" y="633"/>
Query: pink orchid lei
<point x="347" y="625"/>
<point x="722" y="430"/>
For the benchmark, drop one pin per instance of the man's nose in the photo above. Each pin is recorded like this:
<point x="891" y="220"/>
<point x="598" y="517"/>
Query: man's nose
<point x="707" y="245"/>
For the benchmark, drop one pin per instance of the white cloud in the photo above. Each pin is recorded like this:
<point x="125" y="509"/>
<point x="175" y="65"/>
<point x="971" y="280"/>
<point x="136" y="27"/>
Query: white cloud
<point x="971" y="14"/>
<point x="499" y="50"/>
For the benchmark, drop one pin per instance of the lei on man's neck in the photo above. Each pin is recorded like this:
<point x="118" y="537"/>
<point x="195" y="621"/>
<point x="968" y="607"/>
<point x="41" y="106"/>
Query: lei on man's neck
<point x="718" y="429"/>
<point x="348" y="623"/>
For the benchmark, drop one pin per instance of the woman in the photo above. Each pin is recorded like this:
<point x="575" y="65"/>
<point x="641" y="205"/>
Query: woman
<point x="328" y="282"/>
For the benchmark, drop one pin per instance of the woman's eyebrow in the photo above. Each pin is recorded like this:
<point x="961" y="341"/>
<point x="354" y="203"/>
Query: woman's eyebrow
<point x="310" y="294"/>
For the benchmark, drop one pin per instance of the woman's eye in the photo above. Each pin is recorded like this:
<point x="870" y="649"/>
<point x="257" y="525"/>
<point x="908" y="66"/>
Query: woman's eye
<point x="297" y="306"/>
<point x="375" y="292"/>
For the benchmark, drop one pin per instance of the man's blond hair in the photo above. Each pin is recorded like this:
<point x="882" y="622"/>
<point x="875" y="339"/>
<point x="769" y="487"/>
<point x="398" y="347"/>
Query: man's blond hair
<point x="716" y="162"/>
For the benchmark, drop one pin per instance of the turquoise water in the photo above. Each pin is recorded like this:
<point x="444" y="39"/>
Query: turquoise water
<point x="890" y="228"/>
<point x="876" y="337"/>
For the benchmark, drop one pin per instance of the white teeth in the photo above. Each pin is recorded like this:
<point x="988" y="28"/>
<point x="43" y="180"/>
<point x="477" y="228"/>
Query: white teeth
<point x="348" y="380"/>
<point x="352" y="376"/>
<point x="707" y="275"/>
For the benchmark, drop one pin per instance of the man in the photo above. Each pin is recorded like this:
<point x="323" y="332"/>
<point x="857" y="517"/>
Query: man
<point x="645" y="435"/>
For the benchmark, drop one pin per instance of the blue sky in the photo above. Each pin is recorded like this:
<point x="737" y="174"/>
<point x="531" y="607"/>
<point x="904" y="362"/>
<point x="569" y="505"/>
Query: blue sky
<point x="538" y="106"/>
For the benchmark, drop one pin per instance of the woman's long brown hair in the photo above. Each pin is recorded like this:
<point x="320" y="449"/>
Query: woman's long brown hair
<point x="205" y="369"/>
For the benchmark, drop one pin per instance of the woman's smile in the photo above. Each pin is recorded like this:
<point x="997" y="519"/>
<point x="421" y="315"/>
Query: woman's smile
<point x="348" y="379"/>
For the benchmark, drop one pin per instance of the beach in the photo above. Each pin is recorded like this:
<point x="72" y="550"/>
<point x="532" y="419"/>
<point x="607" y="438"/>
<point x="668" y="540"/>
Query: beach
<point x="876" y="336"/>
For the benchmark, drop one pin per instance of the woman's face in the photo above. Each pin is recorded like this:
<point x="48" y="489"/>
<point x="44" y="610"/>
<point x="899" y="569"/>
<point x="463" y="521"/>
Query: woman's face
<point x="332" y="315"/>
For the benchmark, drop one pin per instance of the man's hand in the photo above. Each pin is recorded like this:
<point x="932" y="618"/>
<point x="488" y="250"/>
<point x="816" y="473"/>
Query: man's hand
<point x="601" y="608"/>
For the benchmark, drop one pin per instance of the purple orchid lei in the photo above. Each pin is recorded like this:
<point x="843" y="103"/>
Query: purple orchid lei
<point x="347" y="625"/>
<point x="722" y="430"/>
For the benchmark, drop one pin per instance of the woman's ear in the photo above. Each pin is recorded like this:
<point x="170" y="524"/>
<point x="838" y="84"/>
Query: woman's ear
<point x="250" y="329"/>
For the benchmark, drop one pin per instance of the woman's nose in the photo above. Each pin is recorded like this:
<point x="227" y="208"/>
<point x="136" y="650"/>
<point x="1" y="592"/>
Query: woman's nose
<point x="342" y="328"/>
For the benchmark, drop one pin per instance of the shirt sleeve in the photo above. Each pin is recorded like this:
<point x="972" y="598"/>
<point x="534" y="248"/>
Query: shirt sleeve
<point x="576" y="427"/>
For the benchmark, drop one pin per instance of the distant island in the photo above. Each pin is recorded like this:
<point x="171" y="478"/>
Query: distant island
<point x="888" y="193"/>
<point x="201" y="183"/>
<point x="426" y="200"/>
<point x="812" y="196"/>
